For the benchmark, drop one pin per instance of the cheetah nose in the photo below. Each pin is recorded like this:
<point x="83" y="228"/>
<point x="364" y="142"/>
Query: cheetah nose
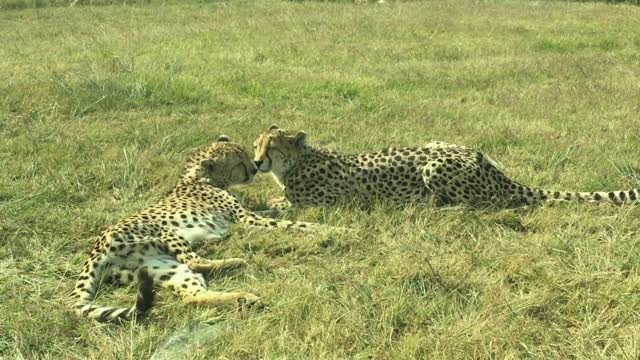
<point x="258" y="162"/>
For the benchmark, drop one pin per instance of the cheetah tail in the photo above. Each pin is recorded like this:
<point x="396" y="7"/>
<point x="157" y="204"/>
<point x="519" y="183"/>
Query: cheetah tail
<point x="618" y="197"/>
<point x="144" y="302"/>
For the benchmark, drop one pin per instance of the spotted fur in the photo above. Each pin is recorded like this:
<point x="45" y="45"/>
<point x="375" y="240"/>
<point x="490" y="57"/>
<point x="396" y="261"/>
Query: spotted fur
<point x="445" y="173"/>
<point x="155" y="244"/>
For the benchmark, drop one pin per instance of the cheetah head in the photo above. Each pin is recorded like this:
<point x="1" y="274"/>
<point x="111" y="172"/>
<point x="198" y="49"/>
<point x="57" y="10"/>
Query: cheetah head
<point x="223" y="164"/>
<point x="277" y="149"/>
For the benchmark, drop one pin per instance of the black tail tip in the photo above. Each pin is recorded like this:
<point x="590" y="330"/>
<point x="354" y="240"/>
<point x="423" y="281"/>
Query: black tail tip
<point x="146" y="294"/>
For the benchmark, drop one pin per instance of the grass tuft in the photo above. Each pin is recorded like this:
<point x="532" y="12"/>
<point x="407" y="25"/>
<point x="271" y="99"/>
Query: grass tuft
<point x="80" y="96"/>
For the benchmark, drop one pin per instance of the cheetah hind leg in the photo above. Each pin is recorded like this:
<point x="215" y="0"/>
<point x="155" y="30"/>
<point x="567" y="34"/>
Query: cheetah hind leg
<point x="435" y="184"/>
<point x="213" y="298"/>
<point x="182" y="252"/>
<point x="205" y="265"/>
<point x="191" y="286"/>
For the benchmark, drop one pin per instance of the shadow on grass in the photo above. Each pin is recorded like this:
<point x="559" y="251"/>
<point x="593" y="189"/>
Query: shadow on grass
<point x="185" y="341"/>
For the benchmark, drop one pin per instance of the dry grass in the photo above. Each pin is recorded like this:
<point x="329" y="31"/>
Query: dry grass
<point x="99" y="106"/>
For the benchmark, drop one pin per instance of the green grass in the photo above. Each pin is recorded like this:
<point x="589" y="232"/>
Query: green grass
<point x="100" y="105"/>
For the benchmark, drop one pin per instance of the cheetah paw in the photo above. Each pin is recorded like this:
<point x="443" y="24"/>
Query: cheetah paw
<point x="248" y="300"/>
<point x="231" y="263"/>
<point x="280" y="203"/>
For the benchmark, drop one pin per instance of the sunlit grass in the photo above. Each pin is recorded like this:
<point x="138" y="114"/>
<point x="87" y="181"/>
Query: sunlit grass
<point x="100" y="105"/>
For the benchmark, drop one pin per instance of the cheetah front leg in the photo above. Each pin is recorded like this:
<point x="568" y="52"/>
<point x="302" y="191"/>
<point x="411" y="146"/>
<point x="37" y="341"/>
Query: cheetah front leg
<point x="252" y="219"/>
<point x="242" y="215"/>
<point x="280" y="203"/>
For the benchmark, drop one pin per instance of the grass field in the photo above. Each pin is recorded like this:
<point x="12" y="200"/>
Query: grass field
<point x="100" y="105"/>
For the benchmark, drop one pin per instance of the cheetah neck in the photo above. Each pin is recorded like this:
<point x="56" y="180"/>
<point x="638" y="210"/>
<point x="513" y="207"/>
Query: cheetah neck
<point x="316" y="152"/>
<point x="306" y="154"/>
<point x="280" y="171"/>
<point x="187" y="183"/>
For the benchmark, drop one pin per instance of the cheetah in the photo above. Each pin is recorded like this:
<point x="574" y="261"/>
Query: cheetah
<point x="154" y="245"/>
<point x="445" y="173"/>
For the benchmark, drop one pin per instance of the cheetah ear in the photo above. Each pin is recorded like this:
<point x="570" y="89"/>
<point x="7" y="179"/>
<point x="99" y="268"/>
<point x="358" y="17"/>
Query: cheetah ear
<point x="273" y="127"/>
<point x="208" y="164"/>
<point x="300" y="138"/>
<point x="223" y="138"/>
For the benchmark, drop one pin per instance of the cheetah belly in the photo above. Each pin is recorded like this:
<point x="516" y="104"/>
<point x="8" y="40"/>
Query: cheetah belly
<point x="211" y="229"/>
<point x="400" y="184"/>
